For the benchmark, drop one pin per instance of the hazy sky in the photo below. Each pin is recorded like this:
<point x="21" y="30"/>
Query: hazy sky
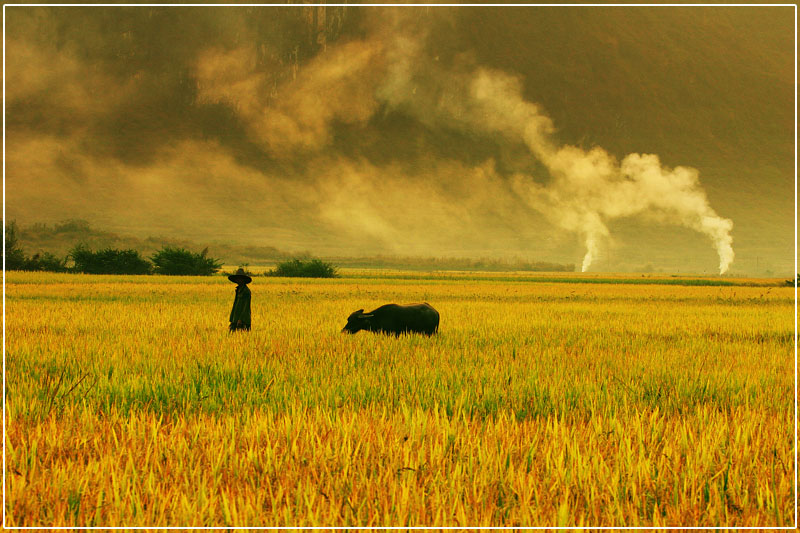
<point x="612" y="138"/>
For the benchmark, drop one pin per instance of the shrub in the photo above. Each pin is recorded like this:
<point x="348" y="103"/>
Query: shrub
<point x="46" y="262"/>
<point x="180" y="262"/>
<point x="109" y="261"/>
<point x="297" y="268"/>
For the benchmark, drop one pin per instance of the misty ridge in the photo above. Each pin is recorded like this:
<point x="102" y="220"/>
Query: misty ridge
<point x="61" y="238"/>
<point x="395" y="131"/>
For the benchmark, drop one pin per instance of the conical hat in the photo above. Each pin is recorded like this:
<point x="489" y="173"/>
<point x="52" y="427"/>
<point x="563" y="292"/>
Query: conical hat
<point x="240" y="277"/>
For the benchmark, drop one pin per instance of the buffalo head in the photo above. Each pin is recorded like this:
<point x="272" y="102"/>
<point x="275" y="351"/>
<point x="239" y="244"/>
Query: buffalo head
<point x="357" y="321"/>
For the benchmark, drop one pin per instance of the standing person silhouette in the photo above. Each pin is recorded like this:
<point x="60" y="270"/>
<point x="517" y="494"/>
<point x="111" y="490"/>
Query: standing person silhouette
<point x="240" y="314"/>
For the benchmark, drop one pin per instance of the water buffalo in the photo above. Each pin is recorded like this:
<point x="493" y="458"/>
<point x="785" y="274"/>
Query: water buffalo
<point x="396" y="319"/>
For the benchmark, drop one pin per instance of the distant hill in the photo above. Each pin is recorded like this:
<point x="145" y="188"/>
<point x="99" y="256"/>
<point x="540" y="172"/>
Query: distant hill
<point x="61" y="237"/>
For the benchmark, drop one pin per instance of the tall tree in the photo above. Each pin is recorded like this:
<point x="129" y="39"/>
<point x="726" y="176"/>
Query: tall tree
<point x="14" y="256"/>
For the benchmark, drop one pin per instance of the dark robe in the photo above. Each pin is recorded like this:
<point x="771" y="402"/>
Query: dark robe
<point x="240" y="314"/>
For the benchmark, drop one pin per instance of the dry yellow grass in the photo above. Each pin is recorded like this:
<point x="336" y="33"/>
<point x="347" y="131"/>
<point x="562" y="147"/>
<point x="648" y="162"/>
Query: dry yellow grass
<point x="128" y="404"/>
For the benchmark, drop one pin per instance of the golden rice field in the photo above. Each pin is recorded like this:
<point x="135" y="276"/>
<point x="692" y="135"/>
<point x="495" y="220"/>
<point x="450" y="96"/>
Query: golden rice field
<point x="540" y="403"/>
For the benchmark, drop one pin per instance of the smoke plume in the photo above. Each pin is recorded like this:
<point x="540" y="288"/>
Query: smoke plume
<point x="586" y="189"/>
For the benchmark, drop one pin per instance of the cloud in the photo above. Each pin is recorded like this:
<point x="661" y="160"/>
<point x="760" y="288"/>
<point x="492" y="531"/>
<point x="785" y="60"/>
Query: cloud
<point x="285" y="117"/>
<point x="387" y="137"/>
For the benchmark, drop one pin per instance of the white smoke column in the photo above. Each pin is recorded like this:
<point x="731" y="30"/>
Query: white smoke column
<point x="589" y="188"/>
<point x="677" y="194"/>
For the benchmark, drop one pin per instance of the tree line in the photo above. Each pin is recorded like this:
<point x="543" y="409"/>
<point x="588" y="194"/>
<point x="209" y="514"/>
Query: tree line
<point x="170" y="261"/>
<point x="167" y="261"/>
